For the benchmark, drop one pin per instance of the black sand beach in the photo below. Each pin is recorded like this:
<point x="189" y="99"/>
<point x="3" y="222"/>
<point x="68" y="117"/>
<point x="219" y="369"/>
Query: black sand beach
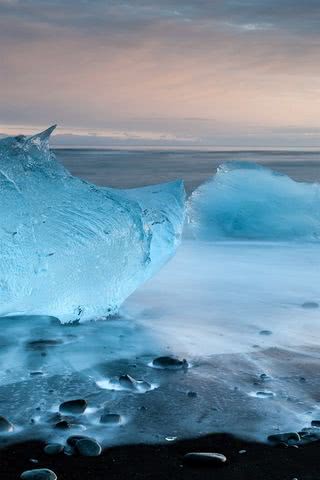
<point x="159" y="462"/>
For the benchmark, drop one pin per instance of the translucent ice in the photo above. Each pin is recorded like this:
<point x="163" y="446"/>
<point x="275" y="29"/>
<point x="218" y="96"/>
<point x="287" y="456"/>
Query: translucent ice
<point x="71" y="249"/>
<point x="248" y="201"/>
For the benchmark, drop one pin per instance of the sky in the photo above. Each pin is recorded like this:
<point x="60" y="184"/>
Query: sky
<point x="162" y="72"/>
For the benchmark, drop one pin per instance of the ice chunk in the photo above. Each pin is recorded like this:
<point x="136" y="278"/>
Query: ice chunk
<point x="248" y="201"/>
<point x="69" y="248"/>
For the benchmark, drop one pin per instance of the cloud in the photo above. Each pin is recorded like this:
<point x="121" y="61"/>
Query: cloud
<point x="149" y="65"/>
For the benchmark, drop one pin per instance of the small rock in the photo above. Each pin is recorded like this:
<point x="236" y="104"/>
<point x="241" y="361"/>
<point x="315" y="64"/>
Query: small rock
<point x="281" y="445"/>
<point x="39" y="474"/>
<point x="169" y="363"/>
<point x="315" y="423"/>
<point x="110" y="419"/>
<point x="33" y="460"/>
<point x="265" y="394"/>
<point x="192" y="394"/>
<point x="73" y="407"/>
<point x="68" y="450"/>
<point x="63" y="425"/>
<point x="5" y="425"/>
<point x="73" y="439"/>
<point x="265" y="332"/>
<point x="242" y="452"/>
<point x="53" y="417"/>
<point x="130" y="383"/>
<point x="88" y="448"/>
<point x="204" y="458"/>
<point x="288" y="438"/>
<point x="36" y="374"/>
<point x="53" y="449"/>
<point x="310" y="305"/>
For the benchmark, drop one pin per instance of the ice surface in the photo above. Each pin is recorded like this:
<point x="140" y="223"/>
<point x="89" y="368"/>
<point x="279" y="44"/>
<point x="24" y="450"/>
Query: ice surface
<point x="71" y="249"/>
<point x="248" y="201"/>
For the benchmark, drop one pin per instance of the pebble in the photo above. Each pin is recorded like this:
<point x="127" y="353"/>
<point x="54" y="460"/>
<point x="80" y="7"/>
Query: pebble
<point x="265" y="332"/>
<point x="130" y="383"/>
<point x="290" y="437"/>
<point x="5" y="425"/>
<point x="242" y="451"/>
<point x="53" y="448"/>
<point x="75" y="438"/>
<point x="110" y="419"/>
<point x="264" y="376"/>
<point x="169" y="363"/>
<point x="68" y="450"/>
<point x="88" y="448"/>
<point x="265" y="394"/>
<point x="204" y="458"/>
<point x="73" y="407"/>
<point x="192" y="394"/>
<point x="53" y="417"/>
<point x="63" y="425"/>
<point x="39" y="474"/>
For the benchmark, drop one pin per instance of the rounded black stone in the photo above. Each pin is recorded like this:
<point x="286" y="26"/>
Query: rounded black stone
<point x="204" y="458"/>
<point x="73" y="439"/>
<point x="88" y="447"/>
<point x="53" y="449"/>
<point x="169" y="363"/>
<point x="110" y="419"/>
<point x="290" y="437"/>
<point x="5" y="425"/>
<point x="73" y="407"/>
<point x="63" y="425"/>
<point x="39" y="474"/>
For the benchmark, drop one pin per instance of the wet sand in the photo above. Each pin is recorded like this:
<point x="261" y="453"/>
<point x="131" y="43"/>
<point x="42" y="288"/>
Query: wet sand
<point x="159" y="462"/>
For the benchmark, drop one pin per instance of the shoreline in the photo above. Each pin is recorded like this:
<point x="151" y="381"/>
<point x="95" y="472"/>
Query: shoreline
<point x="165" y="461"/>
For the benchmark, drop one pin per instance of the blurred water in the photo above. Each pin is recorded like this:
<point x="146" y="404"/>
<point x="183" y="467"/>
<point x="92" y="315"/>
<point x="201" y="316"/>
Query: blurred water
<point x="234" y="310"/>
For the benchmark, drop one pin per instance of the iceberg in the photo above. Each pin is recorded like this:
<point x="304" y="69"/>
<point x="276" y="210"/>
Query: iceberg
<point x="248" y="201"/>
<point x="71" y="249"/>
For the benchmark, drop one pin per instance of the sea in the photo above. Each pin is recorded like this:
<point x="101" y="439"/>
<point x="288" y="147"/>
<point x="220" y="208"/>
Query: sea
<point x="129" y="168"/>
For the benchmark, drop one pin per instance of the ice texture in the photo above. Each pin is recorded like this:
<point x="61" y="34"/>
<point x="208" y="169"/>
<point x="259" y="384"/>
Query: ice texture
<point x="69" y="248"/>
<point x="249" y="201"/>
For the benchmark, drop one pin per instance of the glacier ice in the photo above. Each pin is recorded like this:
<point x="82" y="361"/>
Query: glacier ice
<point x="69" y="248"/>
<point x="248" y="201"/>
